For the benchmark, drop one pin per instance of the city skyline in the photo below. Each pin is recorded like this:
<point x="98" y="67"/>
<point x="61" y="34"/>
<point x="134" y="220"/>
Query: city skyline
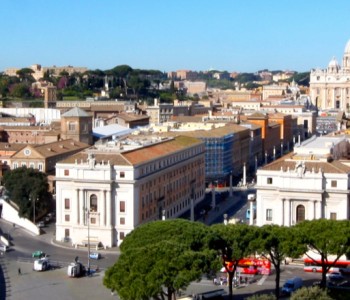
<point x="197" y="35"/>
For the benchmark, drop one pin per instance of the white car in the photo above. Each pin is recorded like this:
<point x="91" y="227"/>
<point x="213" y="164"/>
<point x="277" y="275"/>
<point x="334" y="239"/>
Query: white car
<point x="95" y="255"/>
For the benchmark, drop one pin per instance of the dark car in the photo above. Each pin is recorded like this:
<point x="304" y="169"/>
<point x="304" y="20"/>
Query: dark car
<point x="335" y="276"/>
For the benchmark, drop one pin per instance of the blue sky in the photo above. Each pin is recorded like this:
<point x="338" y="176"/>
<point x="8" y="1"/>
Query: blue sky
<point x="231" y="35"/>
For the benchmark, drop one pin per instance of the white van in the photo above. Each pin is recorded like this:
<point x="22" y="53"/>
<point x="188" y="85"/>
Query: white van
<point x="292" y="285"/>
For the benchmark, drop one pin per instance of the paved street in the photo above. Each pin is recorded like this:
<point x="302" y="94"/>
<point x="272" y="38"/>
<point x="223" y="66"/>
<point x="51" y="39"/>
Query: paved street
<point x="55" y="284"/>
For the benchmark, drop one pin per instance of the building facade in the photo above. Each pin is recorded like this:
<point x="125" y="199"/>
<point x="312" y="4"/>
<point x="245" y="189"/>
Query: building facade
<point x="113" y="192"/>
<point x="330" y="87"/>
<point x="312" y="183"/>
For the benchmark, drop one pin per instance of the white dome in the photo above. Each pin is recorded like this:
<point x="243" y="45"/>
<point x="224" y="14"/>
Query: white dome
<point x="347" y="48"/>
<point x="334" y="63"/>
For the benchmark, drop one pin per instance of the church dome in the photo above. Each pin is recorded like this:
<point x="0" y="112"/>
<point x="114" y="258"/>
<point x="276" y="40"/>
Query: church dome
<point x="333" y="64"/>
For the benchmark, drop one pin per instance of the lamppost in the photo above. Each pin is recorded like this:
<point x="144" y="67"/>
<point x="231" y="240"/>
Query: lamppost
<point x="87" y="212"/>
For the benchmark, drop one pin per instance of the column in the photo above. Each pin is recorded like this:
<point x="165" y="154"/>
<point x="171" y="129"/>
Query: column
<point x="108" y="209"/>
<point x="104" y="210"/>
<point x="283" y="211"/>
<point x="77" y="213"/>
<point x="251" y="216"/>
<point x="244" y="175"/>
<point x="288" y="213"/>
<point x="81" y="208"/>
<point x="314" y="209"/>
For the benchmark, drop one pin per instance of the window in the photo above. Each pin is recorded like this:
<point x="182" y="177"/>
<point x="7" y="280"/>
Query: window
<point x="15" y="165"/>
<point x="66" y="203"/>
<point x="269" y="214"/>
<point x="23" y="164"/>
<point x="31" y="165"/>
<point x="67" y="218"/>
<point x="269" y="180"/>
<point x="300" y="213"/>
<point x="66" y="172"/>
<point x="333" y="183"/>
<point x="40" y="167"/>
<point x="333" y="216"/>
<point x="122" y="174"/>
<point x="122" y="221"/>
<point x="71" y="126"/>
<point x="93" y="220"/>
<point x="121" y="235"/>
<point x="93" y="203"/>
<point x="66" y="232"/>
<point x="122" y="206"/>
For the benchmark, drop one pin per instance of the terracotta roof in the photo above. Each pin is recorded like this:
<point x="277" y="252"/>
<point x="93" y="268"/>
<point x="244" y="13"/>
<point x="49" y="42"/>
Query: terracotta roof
<point x="131" y="117"/>
<point x="145" y="154"/>
<point x="100" y="157"/>
<point x="11" y="147"/>
<point x="55" y="148"/>
<point x="327" y="167"/>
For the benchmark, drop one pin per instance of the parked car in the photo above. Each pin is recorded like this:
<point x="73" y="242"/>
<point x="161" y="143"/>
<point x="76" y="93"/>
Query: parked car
<point x="335" y="276"/>
<point x="95" y="255"/>
<point x="41" y="264"/>
<point x="291" y="285"/>
<point x="38" y="254"/>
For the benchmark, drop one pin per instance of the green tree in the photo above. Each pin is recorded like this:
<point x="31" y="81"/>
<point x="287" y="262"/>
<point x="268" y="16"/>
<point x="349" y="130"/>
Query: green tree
<point x="276" y="243"/>
<point x="311" y="293"/>
<point x="27" y="187"/>
<point x="262" y="297"/>
<point x="325" y="238"/>
<point x="20" y="90"/>
<point x="233" y="242"/>
<point x="25" y="74"/>
<point x="159" y="258"/>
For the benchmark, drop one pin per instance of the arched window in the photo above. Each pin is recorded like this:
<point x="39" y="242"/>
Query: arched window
<point x="300" y="213"/>
<point x="93" y="203"/>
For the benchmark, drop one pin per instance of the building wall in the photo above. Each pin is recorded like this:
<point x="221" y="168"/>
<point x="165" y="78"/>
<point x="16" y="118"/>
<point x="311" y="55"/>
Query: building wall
<point x="127" y="195"/>
<point x="282" y="192"/>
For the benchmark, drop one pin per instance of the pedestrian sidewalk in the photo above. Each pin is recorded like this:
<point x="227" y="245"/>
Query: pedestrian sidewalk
<point x="219" y="210"/>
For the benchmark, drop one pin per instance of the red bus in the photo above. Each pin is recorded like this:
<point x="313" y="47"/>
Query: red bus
<point x="251" y="266"/>
<point x="315" y="265"/>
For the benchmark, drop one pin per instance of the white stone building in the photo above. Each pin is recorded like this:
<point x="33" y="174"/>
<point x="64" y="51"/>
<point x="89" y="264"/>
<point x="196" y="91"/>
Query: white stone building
<point x="103" y="193"/>
<point x="330" y="88"/>
<point x="311" y="183"/>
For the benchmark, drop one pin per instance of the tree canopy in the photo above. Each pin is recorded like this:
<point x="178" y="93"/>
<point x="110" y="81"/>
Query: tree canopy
<point x="326" y="239"/>
<point x="233" y="242"/>
<point x="276" y="243"/>
<point x="27" y="187"/>
<point x="159" y="258"/>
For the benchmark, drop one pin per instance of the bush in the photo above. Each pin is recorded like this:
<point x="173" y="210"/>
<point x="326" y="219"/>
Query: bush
<point x="262" y="297"/>
<point x="311" y="293"/>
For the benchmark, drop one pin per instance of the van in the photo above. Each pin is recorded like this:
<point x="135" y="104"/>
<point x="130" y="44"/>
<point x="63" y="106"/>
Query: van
<point x="292" y="285"/>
